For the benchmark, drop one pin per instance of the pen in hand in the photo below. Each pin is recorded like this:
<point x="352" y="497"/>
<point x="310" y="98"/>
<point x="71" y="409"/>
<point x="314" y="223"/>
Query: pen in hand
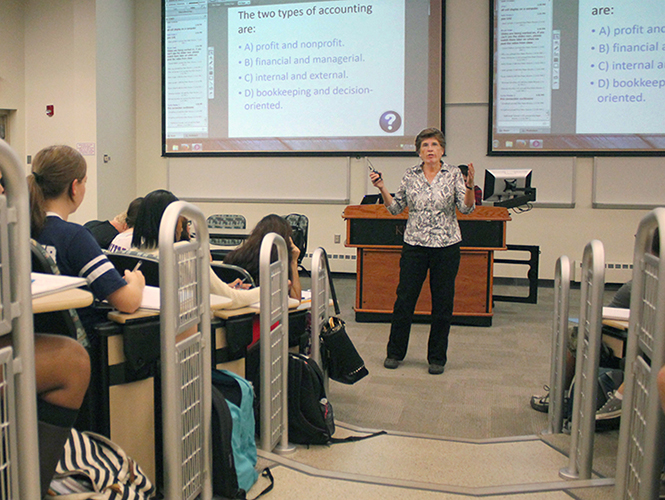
<point x="137" y="266"/>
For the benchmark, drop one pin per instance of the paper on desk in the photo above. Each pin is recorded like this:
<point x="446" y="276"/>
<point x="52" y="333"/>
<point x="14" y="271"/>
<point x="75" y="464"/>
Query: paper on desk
<point x="617" y="313"/>
<point x="151" y="299"/>
<point x="45" y="284"/>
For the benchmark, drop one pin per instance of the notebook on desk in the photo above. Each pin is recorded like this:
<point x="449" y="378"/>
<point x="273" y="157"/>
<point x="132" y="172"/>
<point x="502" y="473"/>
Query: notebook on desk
<point x="616" y="313"/>
<point x="46" y="284"/>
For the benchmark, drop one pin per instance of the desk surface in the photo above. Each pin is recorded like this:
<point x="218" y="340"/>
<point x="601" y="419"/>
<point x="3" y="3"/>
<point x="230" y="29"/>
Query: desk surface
<point x="68" y="299"/>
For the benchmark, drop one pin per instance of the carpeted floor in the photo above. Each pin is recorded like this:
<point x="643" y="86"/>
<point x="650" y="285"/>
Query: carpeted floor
<point x="487" y="384"/>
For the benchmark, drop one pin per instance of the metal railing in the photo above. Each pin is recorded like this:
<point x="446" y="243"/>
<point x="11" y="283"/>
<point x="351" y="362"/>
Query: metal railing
<point x="559" y="345"/>
<point x="586" y="363"/>
<point x="642" y="435"/>
<point x="274" y="345"/>
<point x="184" y="278"/>
<point x="19" y="465"/>
<point x="320" y="305"/>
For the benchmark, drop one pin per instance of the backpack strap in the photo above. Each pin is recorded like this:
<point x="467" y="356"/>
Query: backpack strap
<point x="267" y="474"/>
<point x="352" y="439"/>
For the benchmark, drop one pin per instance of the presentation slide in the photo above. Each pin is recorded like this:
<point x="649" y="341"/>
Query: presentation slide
<point x="327" y="77"/>
<point x="577" y="77"/>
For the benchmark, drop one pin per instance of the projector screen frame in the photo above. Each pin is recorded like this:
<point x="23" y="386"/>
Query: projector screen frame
<point x="436" y="60"/>
<point x="492" y="147"/>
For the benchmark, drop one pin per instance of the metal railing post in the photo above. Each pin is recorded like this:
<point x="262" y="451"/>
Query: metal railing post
<point x="274" y="345"/>
<point x="184" y="279"/>
<point x="642" y="433"/>
<point x="559" y="344"/>
<point x="586" y="363"/>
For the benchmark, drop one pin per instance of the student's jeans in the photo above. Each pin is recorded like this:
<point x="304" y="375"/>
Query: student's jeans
<point x="443" y="264"/>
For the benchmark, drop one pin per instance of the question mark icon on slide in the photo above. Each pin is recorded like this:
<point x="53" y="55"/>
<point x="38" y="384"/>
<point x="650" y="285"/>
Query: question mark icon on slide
<point x="390" y="121"/>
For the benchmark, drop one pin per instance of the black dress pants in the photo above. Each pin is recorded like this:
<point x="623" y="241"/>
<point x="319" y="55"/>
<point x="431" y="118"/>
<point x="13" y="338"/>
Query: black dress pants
<point x="443" y="264"/>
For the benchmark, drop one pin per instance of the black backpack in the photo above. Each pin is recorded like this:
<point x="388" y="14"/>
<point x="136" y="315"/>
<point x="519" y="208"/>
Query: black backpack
<point x="311" y="418"/>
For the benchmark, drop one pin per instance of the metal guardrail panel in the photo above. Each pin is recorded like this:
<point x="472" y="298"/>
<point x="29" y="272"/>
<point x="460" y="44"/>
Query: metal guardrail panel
<point x="586" y="362"/>
<point x="559" y="344"/>
<point x="274" y="320"/>
<point x="320" y="302"/>
<point x="16" y="316"/>
<point x="184" y="278"/>
<point x="642" y="435"/>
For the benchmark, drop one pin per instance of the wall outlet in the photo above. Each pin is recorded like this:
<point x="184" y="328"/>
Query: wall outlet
<point x="338" y="238"/>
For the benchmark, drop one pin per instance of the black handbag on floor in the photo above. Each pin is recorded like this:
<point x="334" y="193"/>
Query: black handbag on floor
<point x="338" y="353"/>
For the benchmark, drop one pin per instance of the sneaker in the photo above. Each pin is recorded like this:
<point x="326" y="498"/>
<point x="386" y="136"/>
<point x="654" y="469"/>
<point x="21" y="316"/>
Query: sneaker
<point x="541" y="402"/>
<point x="611" y="408"/>
<point x="391" y="363"/>
<point x="435" y="369"/>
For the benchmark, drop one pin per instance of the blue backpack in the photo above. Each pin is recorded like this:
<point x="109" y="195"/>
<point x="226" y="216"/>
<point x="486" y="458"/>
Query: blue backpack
<point x="234" y="445"/>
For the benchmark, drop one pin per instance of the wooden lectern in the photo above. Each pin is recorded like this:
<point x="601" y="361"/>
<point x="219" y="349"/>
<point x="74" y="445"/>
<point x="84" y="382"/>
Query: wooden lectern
<point x="378" y="237"/>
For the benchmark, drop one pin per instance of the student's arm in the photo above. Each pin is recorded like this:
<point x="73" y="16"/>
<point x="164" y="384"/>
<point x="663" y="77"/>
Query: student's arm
<point x="128" y="298"/>
<point x="295" y="290"/>
<point x="239" y="298"/>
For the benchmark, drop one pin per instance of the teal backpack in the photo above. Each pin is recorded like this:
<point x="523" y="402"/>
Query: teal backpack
<point x="239" y="397"/>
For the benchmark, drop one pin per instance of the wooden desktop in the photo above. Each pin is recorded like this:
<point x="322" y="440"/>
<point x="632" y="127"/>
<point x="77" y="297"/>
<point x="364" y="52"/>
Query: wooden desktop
<point x="378" y="235"/>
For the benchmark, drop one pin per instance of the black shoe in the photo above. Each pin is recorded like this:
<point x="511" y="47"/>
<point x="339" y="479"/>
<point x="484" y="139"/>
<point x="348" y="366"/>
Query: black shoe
<point x="435" y="369"/>
<point x="391" y="363"/>
<point x="541" y="403"/>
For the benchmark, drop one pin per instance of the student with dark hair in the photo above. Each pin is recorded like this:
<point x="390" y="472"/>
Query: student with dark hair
<point x="57" y="187"/>
<point x="146" y="239"/>
<point x="247" y="255"/>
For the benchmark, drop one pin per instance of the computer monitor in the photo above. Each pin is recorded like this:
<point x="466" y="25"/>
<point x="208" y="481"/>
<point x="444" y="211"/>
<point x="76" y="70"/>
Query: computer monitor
<point x="508" y="188"/>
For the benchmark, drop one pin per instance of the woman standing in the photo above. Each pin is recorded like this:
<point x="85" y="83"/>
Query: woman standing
<point x="431" y="190"/>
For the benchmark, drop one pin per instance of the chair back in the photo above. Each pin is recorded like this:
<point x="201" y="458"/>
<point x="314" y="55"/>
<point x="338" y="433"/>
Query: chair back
<point x="300" y="227"/>
<point x="228" y="273"/>
<point x="65" y="322"/>
<point x="128" y="259"/>
<point x="226" y="221"/>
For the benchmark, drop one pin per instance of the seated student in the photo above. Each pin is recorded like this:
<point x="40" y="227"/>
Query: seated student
<point x="146" y="239"/>
<point x="105" y="230"/>
<point x="612" y="407"/>
<point x="57" y="187"/>
<point x="123" y="241"/>
<point x="478" y="193"/>
<point x="247" y="255"/>
<point x="62" y="373"/>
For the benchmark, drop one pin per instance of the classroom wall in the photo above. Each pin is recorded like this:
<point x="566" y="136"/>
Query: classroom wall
<point x="12" y="69"/>
<point x="116" y="124"/>
<point x="61" y="66"/>
<point x="60" y="69"/>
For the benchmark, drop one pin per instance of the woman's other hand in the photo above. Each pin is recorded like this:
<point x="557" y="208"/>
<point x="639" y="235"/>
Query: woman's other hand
<point x="470" y="179"/>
